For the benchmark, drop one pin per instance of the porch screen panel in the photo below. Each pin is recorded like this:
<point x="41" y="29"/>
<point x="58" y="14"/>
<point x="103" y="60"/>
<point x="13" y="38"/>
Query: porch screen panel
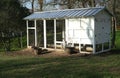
<point x="31" y="37"/>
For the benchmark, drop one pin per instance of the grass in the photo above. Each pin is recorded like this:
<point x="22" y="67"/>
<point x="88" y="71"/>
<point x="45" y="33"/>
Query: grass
<point x="94" y="66"/>
<point x="118" y="39"/>
<point x="97" y="66"/>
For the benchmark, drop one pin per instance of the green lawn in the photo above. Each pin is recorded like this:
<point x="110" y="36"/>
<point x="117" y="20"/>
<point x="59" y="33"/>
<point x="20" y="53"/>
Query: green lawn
<point x="94" y="66"/>
<point x="118" y="40"/>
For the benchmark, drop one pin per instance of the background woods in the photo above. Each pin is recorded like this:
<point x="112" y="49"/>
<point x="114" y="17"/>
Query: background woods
<point x="11" y="22"/>
<point x="42" y="5"/>
<point x="12" y="12"/>
<point x="11" y="15"/>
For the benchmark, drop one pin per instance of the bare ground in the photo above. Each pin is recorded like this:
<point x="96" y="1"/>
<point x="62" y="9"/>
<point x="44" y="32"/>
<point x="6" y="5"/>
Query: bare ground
<point x="54" y="53"/>
<point x="46" y="53"/>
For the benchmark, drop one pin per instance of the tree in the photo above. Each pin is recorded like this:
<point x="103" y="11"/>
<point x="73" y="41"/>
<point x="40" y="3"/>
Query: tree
<point x="40" y="4"/>
<point x="75" y="3"/>
<point x="114" y="23"/>
<point x="32" y="3"/>
<point x="112" y="6"/>
<point x="11" y="15"/>
<point x="23" y="2"/>
<point x="11" y="20"/>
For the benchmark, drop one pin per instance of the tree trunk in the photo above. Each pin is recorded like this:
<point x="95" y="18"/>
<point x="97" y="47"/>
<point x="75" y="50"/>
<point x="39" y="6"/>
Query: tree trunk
<point x="32" y="3"/>
<point x="69" y="4"/>
<point x="41" y="4"/>
<point x="114" y="24"/>
<point x="93" y="3"/>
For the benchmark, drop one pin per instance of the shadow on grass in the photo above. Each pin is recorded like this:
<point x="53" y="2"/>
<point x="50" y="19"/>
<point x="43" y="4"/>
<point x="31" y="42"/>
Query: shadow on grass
<point x="112" y="52"/>
<point x="115" y="51"/>
<point x="34" y="68"/>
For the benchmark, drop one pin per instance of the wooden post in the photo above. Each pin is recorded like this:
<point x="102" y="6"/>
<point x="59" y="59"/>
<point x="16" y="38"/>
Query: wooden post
<point x="94" y="44"/>
<point x="103" y="47"/>
<point x="21" y="39"/>
<point x="66" y="30"/>
<point x="80" y="46"/>
<point x="94" y="48"/>
<point x="55" y="33"/>
<point x="44" y="28"/>
<point x="35" y="25"/>
<point x="110" y="44"/>
<point x="63" y="35"/>
<point x="27" y="33"/>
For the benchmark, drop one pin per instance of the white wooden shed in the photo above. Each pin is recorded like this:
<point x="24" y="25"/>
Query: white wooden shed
<point x="86" y="27"/>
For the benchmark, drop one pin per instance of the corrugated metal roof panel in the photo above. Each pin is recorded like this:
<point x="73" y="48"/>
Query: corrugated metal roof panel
<point x="69" y="13"/>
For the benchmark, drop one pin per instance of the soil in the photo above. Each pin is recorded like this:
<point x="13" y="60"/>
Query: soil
<point x="54" y="53"/>
<point x="44" y="53"/>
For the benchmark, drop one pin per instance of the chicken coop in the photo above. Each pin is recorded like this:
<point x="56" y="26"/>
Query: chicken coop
<point x="87" y="29"/>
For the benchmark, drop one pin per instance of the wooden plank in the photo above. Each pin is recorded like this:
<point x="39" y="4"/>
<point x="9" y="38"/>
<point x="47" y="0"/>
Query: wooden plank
<point x="27" y="34"/>
<point x="35" y="25"/>
<point x="55" y="33"/>
<point x="44" y="28"/>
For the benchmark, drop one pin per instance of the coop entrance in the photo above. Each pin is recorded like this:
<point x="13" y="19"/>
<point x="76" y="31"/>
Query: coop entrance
<point x="60" y="34"/>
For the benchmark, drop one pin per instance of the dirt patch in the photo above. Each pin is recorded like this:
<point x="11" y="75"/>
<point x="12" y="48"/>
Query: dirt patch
<point x="46" y="53"/>
<point x="56" y="53"/>
<point x="23" y="52"/>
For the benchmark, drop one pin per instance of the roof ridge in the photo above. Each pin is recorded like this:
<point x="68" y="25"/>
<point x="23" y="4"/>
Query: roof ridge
<point x="70" y="9"/>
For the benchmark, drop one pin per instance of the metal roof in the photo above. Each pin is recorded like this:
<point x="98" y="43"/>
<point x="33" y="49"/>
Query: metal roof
<point x="62" y="14"/>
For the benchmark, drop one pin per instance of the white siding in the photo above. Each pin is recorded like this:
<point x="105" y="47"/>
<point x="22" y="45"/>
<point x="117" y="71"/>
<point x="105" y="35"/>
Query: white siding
<point x="102" y="27"/>
<point x="80" y="30"/>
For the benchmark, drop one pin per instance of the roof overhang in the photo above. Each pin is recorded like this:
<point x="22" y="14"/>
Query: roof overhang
<point x="64" y="14"/>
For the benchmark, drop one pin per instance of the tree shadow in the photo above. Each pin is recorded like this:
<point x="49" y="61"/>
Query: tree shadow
<point x="112" y="52"/>
<point x="45" y="51"/>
